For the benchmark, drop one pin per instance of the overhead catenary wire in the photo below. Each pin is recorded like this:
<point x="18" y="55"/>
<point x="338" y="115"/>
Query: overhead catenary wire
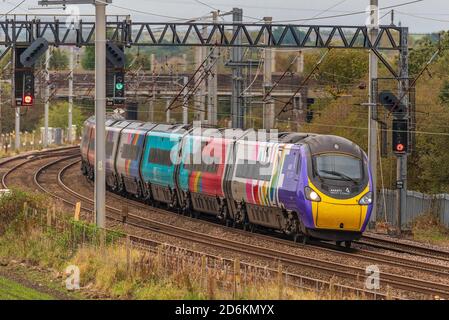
<point x="346" y="14"/>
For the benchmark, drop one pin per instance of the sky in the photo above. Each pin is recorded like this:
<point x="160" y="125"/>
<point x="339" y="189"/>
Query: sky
<point x="421" y="17"/>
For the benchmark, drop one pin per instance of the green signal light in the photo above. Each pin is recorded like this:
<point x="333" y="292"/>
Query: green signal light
<point x="119" y="86"/>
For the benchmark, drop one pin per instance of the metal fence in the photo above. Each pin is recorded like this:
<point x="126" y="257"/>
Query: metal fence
<point x="34" y="140"/>
<point x="417" y="204"/>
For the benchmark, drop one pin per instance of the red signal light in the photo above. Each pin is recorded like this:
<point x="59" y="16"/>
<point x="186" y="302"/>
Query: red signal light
<point x="28" y="99"/>
<point x="400" y="147"/>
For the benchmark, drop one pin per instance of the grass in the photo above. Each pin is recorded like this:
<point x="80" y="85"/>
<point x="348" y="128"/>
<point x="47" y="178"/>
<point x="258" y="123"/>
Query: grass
<point x="427" y="228"/>
<point x="109" y="268"/>
<point x="11" y="290"/>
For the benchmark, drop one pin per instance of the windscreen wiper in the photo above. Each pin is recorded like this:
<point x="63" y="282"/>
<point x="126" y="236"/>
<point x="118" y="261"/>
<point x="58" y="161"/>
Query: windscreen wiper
<point x="339" y="174"/>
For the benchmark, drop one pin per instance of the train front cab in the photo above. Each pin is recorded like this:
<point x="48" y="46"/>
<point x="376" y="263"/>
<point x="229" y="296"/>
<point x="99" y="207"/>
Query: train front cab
<point x="337" y="189"/>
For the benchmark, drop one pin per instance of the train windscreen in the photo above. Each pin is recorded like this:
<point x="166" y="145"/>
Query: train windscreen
<point x="338" y="167"/>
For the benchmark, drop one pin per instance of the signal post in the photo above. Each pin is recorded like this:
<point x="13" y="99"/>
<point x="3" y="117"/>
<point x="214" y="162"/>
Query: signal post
<point x="23" y="95"/>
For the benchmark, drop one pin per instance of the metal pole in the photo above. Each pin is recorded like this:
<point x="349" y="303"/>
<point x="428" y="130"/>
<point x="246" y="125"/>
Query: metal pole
<point x="300" y="63"/>
<point x="200" y="53"/>
<point x="13" y="102"/>
<point x="402" y="160"/>
<point x="372" y="122"/>
<point x="100" y="112"/>
<point x="152" y="100"/>
<point x="268" y="105"/>
<point x="237" y="76"/>
<point x="1" y="116"/>
<point x="167" y="112"/>
<point x="212" y="82"/>
<point x="17" y="129"/>
<point x="69" y="134"/>
<point x="153" y="92"/>
<point x="185" y="110"/>
<point x="46" y="97"/>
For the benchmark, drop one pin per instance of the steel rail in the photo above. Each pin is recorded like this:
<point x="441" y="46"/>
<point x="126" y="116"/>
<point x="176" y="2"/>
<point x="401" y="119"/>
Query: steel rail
<point x="148" y="224"/>
<point x="333" y="268"/>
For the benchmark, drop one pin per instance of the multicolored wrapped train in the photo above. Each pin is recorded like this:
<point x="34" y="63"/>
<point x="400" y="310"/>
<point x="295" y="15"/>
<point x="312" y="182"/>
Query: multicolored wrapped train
<point x="301" y="184"/>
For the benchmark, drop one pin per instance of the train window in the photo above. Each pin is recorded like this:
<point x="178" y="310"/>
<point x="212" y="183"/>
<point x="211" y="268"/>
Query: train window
<point x="109" y="148"/>
<point x="189" y="163"/>
<point x="338" y="167"/>
<point x="298" y="163"/>
<point x="254" y="170"/>
<point x="160" y="156"/>
<point x="202" y="167"/>
<point x="130" y="152"/>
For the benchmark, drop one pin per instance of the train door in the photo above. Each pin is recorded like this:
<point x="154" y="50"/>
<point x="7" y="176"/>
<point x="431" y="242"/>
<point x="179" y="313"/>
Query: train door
<point x="289" y="176"/>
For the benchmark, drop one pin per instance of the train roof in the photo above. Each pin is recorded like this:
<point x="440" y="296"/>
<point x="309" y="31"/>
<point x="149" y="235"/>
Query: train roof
<point x="318" y="143"/>
<point x="325" y="143"/>
<point x="171" y="128"/>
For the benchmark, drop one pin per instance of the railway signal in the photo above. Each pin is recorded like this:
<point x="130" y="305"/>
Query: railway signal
<point x="31" y="54"/>
<point x="400" y="136"/>
<point x="115" y="54"/>
<point x="23" y="80"/>
<point x="392" y="104"/>
<point x="28" y="89"/>
<point x="115" y="74"/>
<point x="119" y="87"/>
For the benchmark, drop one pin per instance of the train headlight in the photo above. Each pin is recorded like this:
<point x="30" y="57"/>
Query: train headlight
<point x="366" y="199"/>
<point x="311" y="194"/>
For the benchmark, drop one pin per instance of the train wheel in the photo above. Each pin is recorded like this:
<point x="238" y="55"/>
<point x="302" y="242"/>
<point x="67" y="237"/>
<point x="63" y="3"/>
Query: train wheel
<point x="348" y="244"/>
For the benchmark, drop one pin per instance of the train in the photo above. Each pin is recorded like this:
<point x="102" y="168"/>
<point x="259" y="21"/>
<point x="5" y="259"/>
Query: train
<point x="303" y="185"/>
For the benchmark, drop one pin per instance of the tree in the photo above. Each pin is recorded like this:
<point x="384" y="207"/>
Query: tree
<point x="88" y="59"/>
<point x="340" y="69"/>
<point x="58" y="116"/>
<point x="59" y="60"/>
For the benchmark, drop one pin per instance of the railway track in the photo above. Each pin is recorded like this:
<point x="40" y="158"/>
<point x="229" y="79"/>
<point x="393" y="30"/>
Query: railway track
<point x="151" y="225"/>
<point x="59" y="167"/>
<point x="367" y="255"/>
<point x="350" y="272"/>
<point x="12" y="164"/>
<point x="401" y="247"/>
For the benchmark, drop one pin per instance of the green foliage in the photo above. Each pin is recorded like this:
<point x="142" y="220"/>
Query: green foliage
<point x="444" y="93"/>
<point x="11" y="290"/>
<point x="339" y="69"/>
<point x="138" y="61"/>
<point x="428" y="228"/>
<point x="420" y="55"/>
<point x="6" y="59"/>
<point x="288" y="38"/>
<point x="59" y="60"/>
<point x="58" y="116"/>
<point x="88" y="58"/>
<point x="425" y="48"/>
<point x="11" y="204"/>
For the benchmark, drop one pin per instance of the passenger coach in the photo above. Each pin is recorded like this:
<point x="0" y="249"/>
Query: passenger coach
<point x="313" y="186"/>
